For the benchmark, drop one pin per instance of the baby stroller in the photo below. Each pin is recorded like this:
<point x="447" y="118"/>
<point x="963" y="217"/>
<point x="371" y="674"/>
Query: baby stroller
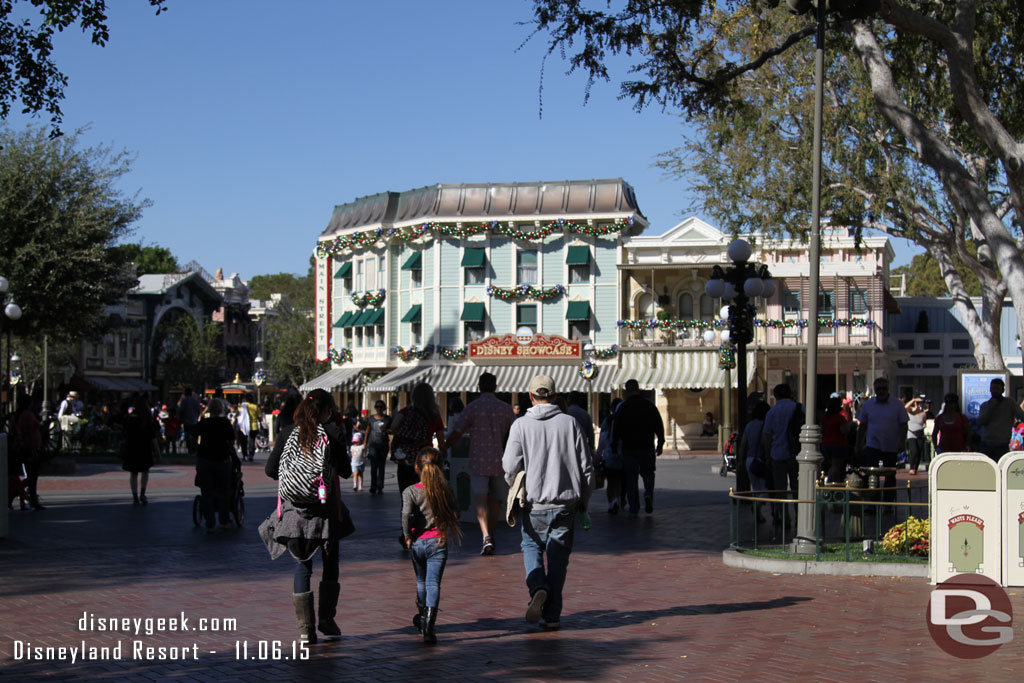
<point x="729" y="456"/>
<point x="236" y="505"/>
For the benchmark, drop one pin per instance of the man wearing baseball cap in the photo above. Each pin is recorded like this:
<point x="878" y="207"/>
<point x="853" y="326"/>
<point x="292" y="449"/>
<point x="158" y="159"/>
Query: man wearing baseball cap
<point x="549" y="446"/>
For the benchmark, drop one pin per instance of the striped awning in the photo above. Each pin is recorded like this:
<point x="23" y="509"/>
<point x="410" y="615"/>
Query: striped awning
<point x="458" y="377"/>
<point x="689" y="370"/>
<point x="402" y="379"/>
<point x="340" y="379"/>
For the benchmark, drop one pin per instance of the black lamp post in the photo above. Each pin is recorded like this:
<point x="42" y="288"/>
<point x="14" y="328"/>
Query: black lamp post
<point x="740" y="284"/>
<point x="12" y="311"/>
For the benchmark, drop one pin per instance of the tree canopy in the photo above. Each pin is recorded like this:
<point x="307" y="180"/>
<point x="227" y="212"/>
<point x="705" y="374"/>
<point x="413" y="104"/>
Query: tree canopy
<point x="298" y="289"/>
<point x="924" y="277"/>
<point x="61" y="217"/>
<point x="28" y="73"/>
<point x="149" y="259"/>
<point x="291" y="357"/>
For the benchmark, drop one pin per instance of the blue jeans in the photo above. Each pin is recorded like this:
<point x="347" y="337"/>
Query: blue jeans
<point x="548" y="532"/>
<point x="428" y="560"/>
<point x="636" y="464"/>
<point x="304" y="570"/>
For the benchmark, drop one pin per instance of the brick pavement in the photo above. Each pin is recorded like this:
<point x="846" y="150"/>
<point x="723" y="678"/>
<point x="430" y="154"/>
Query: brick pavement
<point x="648" y="598"/>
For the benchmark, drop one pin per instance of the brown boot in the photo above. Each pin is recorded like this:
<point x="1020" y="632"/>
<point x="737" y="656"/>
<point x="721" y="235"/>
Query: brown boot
<point x="328" y="606"/>
<point x="304" y="615"/>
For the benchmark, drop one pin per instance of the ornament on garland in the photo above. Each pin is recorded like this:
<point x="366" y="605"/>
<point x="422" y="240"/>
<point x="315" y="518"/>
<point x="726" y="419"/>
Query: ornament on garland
<point x="822" y="322"/>
<point x="340" y="356"/>
<point x="610" y="352"/>
<point x="368" y="238"/>
<point x="671" y="324"/>
<point x="587" y="370"/>
<point x="413" y="352"/>
<point x="369" y="298"/>
<point x="259" y="377"/>
<point x="652" y="323"/>
<point x="727" y="356"/>
<point x="526" y="292"/>
<point x="453" y="353"/>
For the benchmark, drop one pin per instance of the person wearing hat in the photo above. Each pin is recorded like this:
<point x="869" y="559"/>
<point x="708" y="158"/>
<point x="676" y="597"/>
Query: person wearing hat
<point x="549" y="446"/>
<point x="68" y="415"/>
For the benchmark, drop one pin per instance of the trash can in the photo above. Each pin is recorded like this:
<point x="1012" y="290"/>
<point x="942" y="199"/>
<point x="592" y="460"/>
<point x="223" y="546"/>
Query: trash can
<point x="1011" y="467"/>
<point x="964" y="507"/>
<point x="459" y="478"/>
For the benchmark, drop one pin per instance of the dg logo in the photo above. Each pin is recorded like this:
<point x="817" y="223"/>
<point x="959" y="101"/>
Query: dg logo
<point x="970" y="616"/>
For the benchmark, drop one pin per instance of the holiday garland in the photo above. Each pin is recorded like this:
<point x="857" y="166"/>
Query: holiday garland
<point x="369" y="238"/>
<point x="369" y="298"/>
<point x="768" y="324"/>
<point x="413" y="352"/>
<point x="340" y="356"/>
<point x="526" y="292"/>
<point x="453" y="353"/>
<point x="610" y="352"/>
<point x="587" y="370"/>
<point x="727" y="356"/>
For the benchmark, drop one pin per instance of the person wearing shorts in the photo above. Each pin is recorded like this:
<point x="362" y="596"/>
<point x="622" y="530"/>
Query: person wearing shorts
<point x="487" y="420"/>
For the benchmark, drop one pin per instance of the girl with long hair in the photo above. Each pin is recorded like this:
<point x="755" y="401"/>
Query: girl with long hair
<point x="952" y="430"/>
<point x="429" y="523"/>
<point x="311" y="451"/>
<point x="414" y="428"/>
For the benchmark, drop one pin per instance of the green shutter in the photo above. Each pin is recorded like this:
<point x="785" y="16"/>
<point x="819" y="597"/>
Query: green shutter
<point x="526" y="314"/>
<point x="473" y="312"/>
<point x="344" y="270"/>
<point x="578" y="310"/>
<point x="414" y="262"/>
<point x="414" y="314"/>
<point x="474" y="258"/>
<point x="578" y="255"/>
<point x="344" y="319"/>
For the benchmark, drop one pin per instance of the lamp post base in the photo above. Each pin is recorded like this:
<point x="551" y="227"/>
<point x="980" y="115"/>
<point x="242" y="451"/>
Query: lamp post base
<point x="808" y="461"/>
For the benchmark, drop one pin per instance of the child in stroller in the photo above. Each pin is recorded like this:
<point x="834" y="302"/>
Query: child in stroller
<point x="729" y="455"/>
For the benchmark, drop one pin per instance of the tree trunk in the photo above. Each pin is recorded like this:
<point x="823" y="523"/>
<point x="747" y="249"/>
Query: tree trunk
<point x="984" y="333"/>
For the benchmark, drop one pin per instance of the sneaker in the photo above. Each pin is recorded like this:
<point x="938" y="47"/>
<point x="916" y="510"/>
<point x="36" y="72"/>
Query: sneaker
<point x="142" y="498"/>
<point x="488" y="548"/>
<point x="550" y="625"/>
<point x="648" y="504"/>
<point x="536" y="606"/>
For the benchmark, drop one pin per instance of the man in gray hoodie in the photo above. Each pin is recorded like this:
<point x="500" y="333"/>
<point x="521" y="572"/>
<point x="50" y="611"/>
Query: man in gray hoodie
<point x="550" y="447"/>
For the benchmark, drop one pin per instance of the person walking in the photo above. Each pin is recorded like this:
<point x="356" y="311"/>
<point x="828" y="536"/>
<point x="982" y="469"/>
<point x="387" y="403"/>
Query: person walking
<point x="781" y="423"/>
<point x="951" y="432"/>
<point x="27" y="448"/>
<point x="549" y="447"/>
<point x="883" y="432"/>
<point x="835" y="427"/>
<point x="188" y="413"/>
<point x="430" y="524"/>
<point x="215" y="456"/>
<point x="377" y="445"/>
<point x="750" y="450"/>
<point x="308" y="458"/>
<point x="996" y="418"/>
<point x="917" y="412"/>
<point x="414" y="428"/>
<point x="612" y="460"/>
<point x="639" y="433"/>
<point x="140" y="443"/>
<point x="487" y="420"/>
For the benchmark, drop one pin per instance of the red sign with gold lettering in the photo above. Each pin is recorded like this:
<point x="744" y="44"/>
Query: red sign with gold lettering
<point x="542" y="347"/>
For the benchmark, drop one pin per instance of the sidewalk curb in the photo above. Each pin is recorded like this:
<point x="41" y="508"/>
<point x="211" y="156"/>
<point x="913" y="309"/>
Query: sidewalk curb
<point x="738" y="560"/>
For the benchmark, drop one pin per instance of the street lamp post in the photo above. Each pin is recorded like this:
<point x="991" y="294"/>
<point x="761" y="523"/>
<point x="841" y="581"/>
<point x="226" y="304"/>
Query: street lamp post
<point x="14" y="375"/>
<point x="12" y="311"/>
<point x="740" y="284"/>
<point x="588" y="354"/>
<point x="258" y="377"/>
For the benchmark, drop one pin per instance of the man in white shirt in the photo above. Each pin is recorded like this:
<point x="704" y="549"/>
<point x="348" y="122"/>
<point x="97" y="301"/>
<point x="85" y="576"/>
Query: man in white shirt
<point x="883" y="431"/>
<point x="68" y="415"/>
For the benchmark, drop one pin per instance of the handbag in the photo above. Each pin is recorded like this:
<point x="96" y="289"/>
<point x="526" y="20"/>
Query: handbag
<point x="268" y="531"/>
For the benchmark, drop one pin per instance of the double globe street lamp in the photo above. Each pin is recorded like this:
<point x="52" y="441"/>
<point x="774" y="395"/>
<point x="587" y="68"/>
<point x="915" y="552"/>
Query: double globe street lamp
<point x="739" y="285"/>
<point x="12" y="311"/>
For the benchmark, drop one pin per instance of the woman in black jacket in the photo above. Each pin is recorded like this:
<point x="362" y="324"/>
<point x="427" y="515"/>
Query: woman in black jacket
<point x="305" y="451"/>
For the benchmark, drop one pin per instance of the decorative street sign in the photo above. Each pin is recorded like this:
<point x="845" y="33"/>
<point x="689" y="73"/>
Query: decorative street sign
<point x="510" y="346"/>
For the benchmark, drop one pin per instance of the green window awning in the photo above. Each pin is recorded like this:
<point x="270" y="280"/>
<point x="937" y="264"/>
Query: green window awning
<point x="473" y="312"/>
<point x="344" y="270"/>
<point x="414" y="262"/>
<point x="362" y="318"/>
<point x="377" y="318"/>
<point x="343" y="320"/>
<point x="578" y="256"/>
<point x="578" y="310"/>
<point x="414" y="315"/>
<point x="474" y="258"/>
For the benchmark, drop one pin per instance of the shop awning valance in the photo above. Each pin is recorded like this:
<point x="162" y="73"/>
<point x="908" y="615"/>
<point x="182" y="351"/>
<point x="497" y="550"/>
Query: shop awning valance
<point x="458" y="377"/>
<point x="401" y="379"/>
<point x="343" y="320"/>
<point x="691" y="370"/>
<point x="344" y="270"/>
<point x="414" y="262"/>
<point x="474" y="258"/>
<point x="340" y="379"/>
<point x="578" y="310"/>
<point x="473" y="312"/>
<point x="578" y="255"/>
<point x="414" y="314"/>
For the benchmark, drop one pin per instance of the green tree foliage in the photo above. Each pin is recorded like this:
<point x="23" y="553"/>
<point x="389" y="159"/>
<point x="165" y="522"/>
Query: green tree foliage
<point x="924" y="277"/>
<point x="61" y="352"/>
<point x="147" y="260"/>
<point x="28" y="73"/>
<point x="60" y="214"/>
<point x="290" y="352"/>
<point x="188" y="353"/>
<point x="298" y="289"/>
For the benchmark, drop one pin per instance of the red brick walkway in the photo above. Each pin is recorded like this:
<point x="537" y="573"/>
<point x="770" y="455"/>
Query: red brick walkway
<point x="647" y="599"/>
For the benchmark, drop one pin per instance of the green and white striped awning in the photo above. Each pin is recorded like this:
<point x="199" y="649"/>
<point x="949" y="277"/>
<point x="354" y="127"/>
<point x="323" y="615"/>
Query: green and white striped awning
<point x="402" y="379"/>
<point x="458" y="377"/>
<point x="340" y="379"/>
<point x="677" y="370"/>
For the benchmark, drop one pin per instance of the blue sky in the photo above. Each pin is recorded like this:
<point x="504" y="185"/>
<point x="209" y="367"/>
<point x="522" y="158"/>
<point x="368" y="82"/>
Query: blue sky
<point x="250" y="120"/>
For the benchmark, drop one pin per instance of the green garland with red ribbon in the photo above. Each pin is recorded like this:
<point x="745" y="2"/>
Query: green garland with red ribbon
<point x="653" y="324"/>
<point x="526" y="292"/>
<point x="340" y="356"/>
<point x="369" y="298"/>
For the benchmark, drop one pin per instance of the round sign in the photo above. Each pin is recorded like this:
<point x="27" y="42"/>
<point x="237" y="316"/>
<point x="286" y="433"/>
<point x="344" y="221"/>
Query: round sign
<point x="970" y="616"/>
<point x="524" y="335"/>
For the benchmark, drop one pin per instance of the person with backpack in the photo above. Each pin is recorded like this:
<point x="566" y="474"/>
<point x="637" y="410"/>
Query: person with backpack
<point x="308" y="458"/>
<point x="781" y="442"/>
<point x="429" y="523"/>
<point x="413" y="429"/>
<point x="377" y="445"/>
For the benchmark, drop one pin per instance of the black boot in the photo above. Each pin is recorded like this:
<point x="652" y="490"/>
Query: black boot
<point x="417" y="619"/>
<point x="429" y="617"/>
<point x="328" y="607"/>
<point x="303" y="603"/>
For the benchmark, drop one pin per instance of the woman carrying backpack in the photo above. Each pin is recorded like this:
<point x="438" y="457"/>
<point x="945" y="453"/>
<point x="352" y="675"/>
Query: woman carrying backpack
<point x="307" y="460"/>
<point x="429" y="523"/>
<point x="414" y="428"/>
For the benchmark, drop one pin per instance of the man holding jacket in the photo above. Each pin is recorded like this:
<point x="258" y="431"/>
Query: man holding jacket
<point x="549" y="446"/>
